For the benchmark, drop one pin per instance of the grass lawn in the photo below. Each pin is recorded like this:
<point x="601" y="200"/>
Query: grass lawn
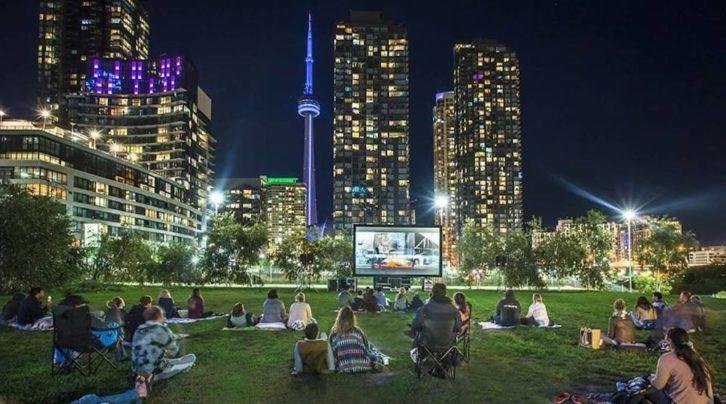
<point x="522" y="365"/>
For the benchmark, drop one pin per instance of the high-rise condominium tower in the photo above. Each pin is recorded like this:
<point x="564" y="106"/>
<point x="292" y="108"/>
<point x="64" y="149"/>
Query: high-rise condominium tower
<point x="488" y="135"/>
<point x="370" y="135"/>
<point x="73" y="31"/>
<point x="445" y="178"/>
<point x="309" y="108"/>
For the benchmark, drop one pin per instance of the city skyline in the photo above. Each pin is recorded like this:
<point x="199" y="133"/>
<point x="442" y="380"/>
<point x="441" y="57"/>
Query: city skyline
<point x="611" y="129"/>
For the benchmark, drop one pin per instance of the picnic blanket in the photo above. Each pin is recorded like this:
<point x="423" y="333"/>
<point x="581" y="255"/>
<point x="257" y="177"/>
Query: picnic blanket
<point x="271" y="326"/>
<point x="490" y="325"/>
<point x="184" y="320"/>
<point x="239" y="328"/>
<point x="44" y="324"/>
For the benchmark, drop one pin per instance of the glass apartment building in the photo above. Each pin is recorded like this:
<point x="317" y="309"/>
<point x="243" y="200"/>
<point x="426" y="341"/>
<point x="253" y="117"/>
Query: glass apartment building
<point x="445" y="177"/>
<point x="283" y="207"/>
<point x="488" y="135"/>
<point x="102" y="193"/>
<point x="243" y="197"/>
<point x="153" y="113"/>
<point x="71" y="32"/>
<point x="370" y="122"/>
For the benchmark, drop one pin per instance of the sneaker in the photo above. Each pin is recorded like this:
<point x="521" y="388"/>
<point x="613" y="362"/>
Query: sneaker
<point x="561" y="398"/>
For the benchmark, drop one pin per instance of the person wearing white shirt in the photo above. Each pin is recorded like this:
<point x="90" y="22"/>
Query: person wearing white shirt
<point x="300" y="314"/>
<point x="537" y="313"/>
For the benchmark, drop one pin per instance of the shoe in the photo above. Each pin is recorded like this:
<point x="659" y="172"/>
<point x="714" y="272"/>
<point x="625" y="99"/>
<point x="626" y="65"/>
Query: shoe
<point x="577" y="399"/>
<point x="561" y="398"/>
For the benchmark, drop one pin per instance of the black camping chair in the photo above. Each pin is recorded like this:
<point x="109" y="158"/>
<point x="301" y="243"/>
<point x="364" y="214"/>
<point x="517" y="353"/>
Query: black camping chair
<point x="72" y="336"/>
<point x="436" y="349"/>
<point x="463" y="341"/>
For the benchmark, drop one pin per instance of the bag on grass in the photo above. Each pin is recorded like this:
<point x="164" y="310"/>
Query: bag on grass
<point x="586" y="336"/>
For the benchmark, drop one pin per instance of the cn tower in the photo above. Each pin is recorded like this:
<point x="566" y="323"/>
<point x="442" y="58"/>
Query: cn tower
<point x="309" y="108"/>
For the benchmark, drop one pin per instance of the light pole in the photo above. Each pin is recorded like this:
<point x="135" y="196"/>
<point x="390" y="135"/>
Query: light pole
<point x="45" y="114"/>
<point x="216" y="198"/>
<point x="629" y="215"/>
<point x="441" y="202"/>
<point x="2" y="115"/>
<point x="94" y="135"/>
<point x="114" y="148"/>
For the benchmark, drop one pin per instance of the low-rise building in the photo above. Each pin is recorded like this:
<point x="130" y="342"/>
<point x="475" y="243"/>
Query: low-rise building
<point x="102" y="193"/>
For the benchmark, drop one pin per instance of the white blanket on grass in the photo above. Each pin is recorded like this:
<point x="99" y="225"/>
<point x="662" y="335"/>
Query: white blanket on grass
<point x="43" y="324"/>
<point x="489" y="325"/>
<point x="184" y="320"/>
<point x="271" y="326"/>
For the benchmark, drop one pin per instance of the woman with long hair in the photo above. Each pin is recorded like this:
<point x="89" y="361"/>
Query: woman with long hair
<point x="273" y="309"/>
<point x="166" y="302"/>
<point x="401" y="302"/>
<point x="350" y="346"/>
<point x="537" y="313"/>
<point x="620" y="327"/>
<point x="195" y="305"/>
<point x="644" y="316"/>
<point x="682" y="373"/>
<point x="464" y="309"/>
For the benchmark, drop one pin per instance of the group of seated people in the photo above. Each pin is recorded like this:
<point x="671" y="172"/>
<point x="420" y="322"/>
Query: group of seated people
<point x="375" y="300"/>
<point x="687" y="314"/>
<point x="27" y="310"/>
<point x="273" y="313"/>
<point x="508" y="312"/>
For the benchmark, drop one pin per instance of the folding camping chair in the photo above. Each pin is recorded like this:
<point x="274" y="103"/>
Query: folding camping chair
<point x="463" y="344"/>
<point x="436" y="347"/>
<point x="73" y="340"/>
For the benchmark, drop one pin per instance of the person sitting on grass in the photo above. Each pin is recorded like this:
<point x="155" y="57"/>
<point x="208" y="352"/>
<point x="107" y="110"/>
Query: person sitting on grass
<point x="416" y="302"/>
<point x="350" y="346"/>
<point x="681" y="376"/>
<point x="344" y="298"/>
<point x="153" y="350"/>
<point x="167" y="303"/>
<point x="273" y="309"/>
<point x="370" y="304"/>
<point x="357" y="304"/>
<point x="401" y="303"/>
<point x="300" y="314"/>
<point x="698" y="312"/>
<point x="115" y="311"/>
<point x="195" y="305"/>
<point x="10" y="309"/>
<point x="135" y="317"/>
<point x="658" y="303"/>
<point x="644" y="316"/>
<point x="621" y="329"/>
<point x="239" y="318"/>
<point x="464" y="309"/>
<point x="537" y="313"/>
<point x="31" y="309"/>
<point x="381" y="299"/>
<point x="508" y="310"/>
<point x="313" y="354"/>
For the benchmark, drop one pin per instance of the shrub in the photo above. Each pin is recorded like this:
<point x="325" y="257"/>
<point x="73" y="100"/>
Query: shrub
<point x="704" y="280"/>
<point x="647" y="284"/>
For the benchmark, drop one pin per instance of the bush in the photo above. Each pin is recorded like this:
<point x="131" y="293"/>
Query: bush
<point x="705" y="280"/>
<point x="647" y="284"/>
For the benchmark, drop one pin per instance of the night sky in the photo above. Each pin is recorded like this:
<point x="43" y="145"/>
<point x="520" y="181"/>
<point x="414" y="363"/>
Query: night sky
<point x="622" y="99"/>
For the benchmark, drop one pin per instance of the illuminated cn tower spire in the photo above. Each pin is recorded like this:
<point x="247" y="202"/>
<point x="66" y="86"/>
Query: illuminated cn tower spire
<point x="308" y="108"/>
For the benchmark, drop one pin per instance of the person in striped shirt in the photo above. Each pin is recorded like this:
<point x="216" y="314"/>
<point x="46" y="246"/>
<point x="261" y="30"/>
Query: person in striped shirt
<point x="350" y="346"/>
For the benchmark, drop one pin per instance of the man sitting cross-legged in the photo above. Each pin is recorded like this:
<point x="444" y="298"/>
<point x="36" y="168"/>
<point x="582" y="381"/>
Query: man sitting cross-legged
<point x="154" y="345"/>
<point x="313" y="354"/>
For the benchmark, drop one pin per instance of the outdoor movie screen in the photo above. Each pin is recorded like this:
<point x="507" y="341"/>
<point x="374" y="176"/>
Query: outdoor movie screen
<point x="397" y="251"/>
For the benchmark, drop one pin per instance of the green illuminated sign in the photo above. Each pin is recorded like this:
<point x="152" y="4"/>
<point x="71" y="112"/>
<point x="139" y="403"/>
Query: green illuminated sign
<point x="280" y="180"/>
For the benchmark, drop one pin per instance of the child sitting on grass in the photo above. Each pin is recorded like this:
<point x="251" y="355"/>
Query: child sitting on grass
<point x="313" y="354"/>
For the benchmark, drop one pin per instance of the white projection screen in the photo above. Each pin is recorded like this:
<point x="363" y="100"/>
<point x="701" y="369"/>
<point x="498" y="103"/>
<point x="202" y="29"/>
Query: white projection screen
<point x="397" y="251"/>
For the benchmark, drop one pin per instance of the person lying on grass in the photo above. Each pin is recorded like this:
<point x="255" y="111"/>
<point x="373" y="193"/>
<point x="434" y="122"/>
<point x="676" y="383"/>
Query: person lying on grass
<point x="621" y="329"/>
<point x="313" y="354"/>
<point x="153" y="350"/>
<point x="682" y="376"/>
<point x="350" y="346"/>
<point x="537" y="313"/>
<point x="239" y="318"/>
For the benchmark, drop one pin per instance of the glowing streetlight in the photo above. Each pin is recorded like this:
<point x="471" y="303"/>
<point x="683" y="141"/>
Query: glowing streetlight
<point x="94" y="135"/>
<point x="2" y="115"/>
<point x="629" y="215"/>
<point x="133" y="157"/>
<point x="216" y="198"/>
<point x="45" y="114"/>
<point x="441" y="202"/>
<point x="114" y="148"/>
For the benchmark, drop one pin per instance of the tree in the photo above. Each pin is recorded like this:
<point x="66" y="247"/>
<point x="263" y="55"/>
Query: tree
<point x="232" y="248"/>
<point x="478" y="248"/>
<point x="174" y="263"/>
<point x="520" y="267"/>
<point x="596" y="243"/>
<point x="130" y="257"/>
<point x="289" y="255"/>
<point x="335" y="254"/>
<point x="665" y="248"/>
<point x="36" y="243"/>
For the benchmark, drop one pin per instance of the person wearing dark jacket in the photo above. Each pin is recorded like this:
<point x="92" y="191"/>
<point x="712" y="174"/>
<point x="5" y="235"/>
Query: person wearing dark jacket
<point x="416" y="302"/>
<point x="135" y="317"/>
<point x="508" y="310"/>
<point x="439" y="309"/>
<point x="166" y="302"/>
<point x="370" y="304"/>
<point x="31" y="309"/>
<point x="10" y="310"/>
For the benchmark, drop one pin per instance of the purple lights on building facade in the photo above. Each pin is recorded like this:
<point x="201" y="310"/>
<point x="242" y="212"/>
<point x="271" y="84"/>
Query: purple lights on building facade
<point x="114" y="76"/>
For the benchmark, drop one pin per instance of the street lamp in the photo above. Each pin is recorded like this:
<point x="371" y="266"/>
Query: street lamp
<point x="216" y="198"/>
<point x="114" y="148"/>
<point x="2" y="115"/>
<point x="94" y="135"/>
<point x="441" y="202"/>
<point x="45" y="114"/>
<point x="629" y="215"/>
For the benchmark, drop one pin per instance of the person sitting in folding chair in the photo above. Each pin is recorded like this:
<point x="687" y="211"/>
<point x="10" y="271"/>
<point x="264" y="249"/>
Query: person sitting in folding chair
<point x="435" y="327"/>
<point x="77" y="333"/>
<point x="154" y="345"/>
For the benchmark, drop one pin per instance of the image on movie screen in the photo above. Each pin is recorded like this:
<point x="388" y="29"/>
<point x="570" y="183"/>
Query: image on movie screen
<point x="385" y="251"/>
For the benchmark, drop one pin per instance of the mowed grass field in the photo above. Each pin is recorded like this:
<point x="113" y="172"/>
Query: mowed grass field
<point x="521" y="365"/>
